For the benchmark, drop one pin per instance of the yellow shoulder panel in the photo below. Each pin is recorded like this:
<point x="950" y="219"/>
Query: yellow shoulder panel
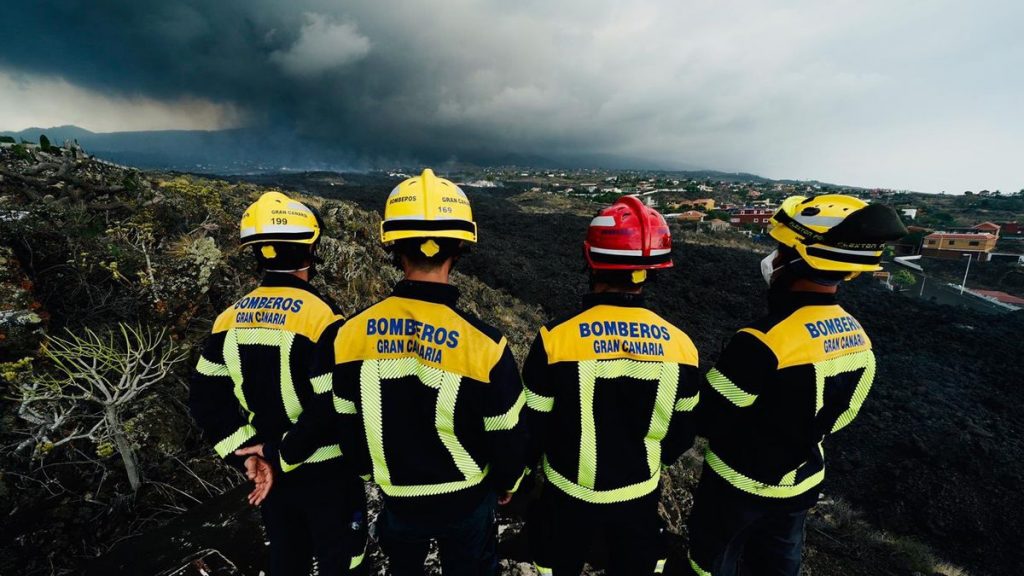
<point x="812" y="334"/>
<point x="610" y="332"/>
<point x="279" y="308"/>
<point x="434" y="333"/>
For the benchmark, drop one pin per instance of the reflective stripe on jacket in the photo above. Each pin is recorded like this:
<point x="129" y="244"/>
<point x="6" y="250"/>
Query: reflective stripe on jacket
<point x="432" y="393"/>
<point x="609" y="394"/>
<point x="780" y="387"/>
<point x="251" y="381"/>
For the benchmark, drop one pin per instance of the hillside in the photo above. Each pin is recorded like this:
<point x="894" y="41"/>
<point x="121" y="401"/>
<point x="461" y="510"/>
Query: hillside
<point x="935" y="458"/>
<point x="88" y="246"/>
<point x="260" y="151"/>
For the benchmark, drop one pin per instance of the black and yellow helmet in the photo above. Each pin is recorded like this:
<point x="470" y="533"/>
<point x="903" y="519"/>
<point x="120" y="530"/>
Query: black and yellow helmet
<point x="426" y="206"/>
<point x="835" y="232"/>
<point x="277" y="218"/>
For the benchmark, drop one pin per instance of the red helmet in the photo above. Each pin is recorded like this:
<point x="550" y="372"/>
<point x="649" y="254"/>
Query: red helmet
<point x="628" y="236"/>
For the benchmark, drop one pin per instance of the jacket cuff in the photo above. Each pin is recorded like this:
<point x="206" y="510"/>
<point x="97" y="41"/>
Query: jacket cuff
<point x="272" y="455"/>
<point x="236" y="462"/>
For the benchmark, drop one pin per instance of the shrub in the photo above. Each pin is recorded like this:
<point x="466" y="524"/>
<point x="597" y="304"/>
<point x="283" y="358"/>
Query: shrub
<point x="903" y="278"/>
<point x="21" y="152"/>
<point x="97" y="379"/>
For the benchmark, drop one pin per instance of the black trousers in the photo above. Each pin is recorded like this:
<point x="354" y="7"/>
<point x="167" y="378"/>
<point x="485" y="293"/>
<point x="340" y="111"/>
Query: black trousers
<point x="731" y="533"/>
<point x="315" y="510"/>
<point x="467" y="543"/>
<point x="562" y="530"/>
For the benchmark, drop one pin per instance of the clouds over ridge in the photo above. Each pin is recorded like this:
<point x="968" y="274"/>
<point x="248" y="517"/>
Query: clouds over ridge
<point x="800" y="89"/>
<point x="322" y="46"/>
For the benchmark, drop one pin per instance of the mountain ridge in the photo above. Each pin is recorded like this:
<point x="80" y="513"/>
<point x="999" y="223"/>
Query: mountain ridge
<point x="251" y="150"/>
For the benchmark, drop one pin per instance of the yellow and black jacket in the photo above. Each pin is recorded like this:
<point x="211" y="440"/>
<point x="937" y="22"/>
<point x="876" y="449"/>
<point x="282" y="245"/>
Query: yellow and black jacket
<point x="782" y="385"/>
<point x="429" y="399"/>
<point x="609" y="396"/>
<point x="251" y="382"/>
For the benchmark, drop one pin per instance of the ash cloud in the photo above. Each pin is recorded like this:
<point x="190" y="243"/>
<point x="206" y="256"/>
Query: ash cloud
<point x="322" y="46"/>
<point x="865" y="92"/>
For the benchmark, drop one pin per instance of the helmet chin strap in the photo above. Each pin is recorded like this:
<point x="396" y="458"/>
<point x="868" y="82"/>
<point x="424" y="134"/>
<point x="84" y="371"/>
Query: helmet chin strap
<point x="795" y="269"/>
<point x="315" y="258"/>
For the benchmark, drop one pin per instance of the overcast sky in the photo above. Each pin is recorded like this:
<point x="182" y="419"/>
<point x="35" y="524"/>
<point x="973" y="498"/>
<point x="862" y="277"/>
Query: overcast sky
<point x="916" y="94"/>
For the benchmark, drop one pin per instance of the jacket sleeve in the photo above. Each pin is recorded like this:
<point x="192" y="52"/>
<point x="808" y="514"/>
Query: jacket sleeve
<point x="317" y="426"/>
<point x="683" y="425"/>
<point x="213" y="404"/>
<point x="540" y="400"/>
<point x="733" y="384"/>
<point x="506" y="434"/>
<point x="346" y="406"/>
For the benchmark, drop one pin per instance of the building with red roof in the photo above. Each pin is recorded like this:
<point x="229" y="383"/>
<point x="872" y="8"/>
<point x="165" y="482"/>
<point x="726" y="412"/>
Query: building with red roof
<point x="751" y="215"/>
<point x="988" y="228"/>
<point x="1000" y="296"/>
<point x="954" y="245"/>
<point x="1011" y="228"/>
<point x="691" y="216"/>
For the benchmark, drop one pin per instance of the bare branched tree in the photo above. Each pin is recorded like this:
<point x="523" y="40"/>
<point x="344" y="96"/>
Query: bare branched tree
<point x="141" y="238"/>
<point x="95" y="380"/>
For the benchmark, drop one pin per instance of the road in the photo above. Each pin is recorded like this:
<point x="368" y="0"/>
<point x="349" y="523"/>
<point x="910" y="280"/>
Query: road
<point x="936" y="290"/>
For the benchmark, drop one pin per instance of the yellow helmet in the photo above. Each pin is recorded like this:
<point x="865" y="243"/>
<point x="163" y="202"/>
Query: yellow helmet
<point x="426" y="206"/>
<point x="835" y="232"/>
<point x="277" y="218"/>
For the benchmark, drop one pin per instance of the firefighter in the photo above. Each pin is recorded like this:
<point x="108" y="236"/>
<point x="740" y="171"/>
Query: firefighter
<point x="433" y="393"/>
<point x="610" y="392"/>
<point x="781" y="385"/>
<point x="251" y="384"/>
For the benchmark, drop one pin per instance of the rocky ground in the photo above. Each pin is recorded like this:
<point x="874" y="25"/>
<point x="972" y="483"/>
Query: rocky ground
<point x="932" y="467"/>
<point x="90" y="246"/>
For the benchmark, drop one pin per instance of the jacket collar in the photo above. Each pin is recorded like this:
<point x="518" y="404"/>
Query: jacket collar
<point x="428" y="291"/>
<point x="613" y="299"/>
<point x="284" y="280"/>
<point x="788" y="301"/>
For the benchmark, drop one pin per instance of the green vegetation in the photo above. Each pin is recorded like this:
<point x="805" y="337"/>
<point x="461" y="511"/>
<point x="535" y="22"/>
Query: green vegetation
<point x="21" y="152"/>
<point x="44" y="143"/>
<point x="97" y="380"/>
<point x="903" y="278"/>
<point x="7" y="140"/>
<point x="606" y="197"/>
<point x="937" y="219"/>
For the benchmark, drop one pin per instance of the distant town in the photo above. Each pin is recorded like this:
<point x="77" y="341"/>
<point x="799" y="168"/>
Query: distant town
<point x="982" y="222"/>
<point x="944" y="229"/>
<point x="950" y="231"/>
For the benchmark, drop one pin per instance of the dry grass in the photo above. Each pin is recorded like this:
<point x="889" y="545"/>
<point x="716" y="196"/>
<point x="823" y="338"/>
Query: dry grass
<point x="839" y="520"/>
<point x="947" y="569"/>
<point x="724" y="239"/>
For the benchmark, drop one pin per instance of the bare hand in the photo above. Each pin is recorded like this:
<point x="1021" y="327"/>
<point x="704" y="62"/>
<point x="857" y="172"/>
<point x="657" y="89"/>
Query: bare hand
<point x="504" y="498"/>
<point x="262" y="474"/>
<point x="259" y="471"/>
<point x="256" y="450"/>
